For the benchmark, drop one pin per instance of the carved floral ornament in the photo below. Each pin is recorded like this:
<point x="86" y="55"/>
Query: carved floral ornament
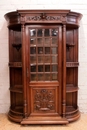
<point x="45" y="17"/>
<point x="44" y="100"/>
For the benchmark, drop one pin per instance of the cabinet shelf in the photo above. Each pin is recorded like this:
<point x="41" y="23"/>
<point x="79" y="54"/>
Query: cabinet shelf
<point x="16" y="89"/>
<point x="15" y="64"/>
<point x="17" y="110"/>
<point x="72" y="64"/>
<point x="71" y="89"/>
<point x="71" y="109"/>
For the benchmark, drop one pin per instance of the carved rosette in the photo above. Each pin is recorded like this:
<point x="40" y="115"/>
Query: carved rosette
<point x="44" y="100"/>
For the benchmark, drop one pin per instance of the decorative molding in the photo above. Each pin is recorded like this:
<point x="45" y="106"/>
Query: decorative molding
<point x="44" y="17"/>
<point x="15" y="64"/>
<point x="72" y="64"/>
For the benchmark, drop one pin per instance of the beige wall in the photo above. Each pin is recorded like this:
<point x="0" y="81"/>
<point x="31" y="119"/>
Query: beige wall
<point x="12" y="5"/>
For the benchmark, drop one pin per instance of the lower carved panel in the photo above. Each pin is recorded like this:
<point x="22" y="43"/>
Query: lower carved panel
<point x="44" y="100"/>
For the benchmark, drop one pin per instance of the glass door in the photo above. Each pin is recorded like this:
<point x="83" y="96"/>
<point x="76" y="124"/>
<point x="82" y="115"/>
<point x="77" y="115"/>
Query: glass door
<point x="45" y="67"/>
<point x="43" y="54"/>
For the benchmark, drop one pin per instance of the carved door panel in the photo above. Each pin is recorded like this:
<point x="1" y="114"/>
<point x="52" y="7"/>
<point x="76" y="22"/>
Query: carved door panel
<point x="44" y="62"/>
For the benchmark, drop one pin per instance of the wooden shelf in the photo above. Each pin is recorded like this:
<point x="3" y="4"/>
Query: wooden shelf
<point x="17" y="110"/>
<point x="16" y="89"/>
<point x="71" y="109"/>
<point x="15" y="64"/>
<point x="72" y="64"/>
<point x="71" y="88"/>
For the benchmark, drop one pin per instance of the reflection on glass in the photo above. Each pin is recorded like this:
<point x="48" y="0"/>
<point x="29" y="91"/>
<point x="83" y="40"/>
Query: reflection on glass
<point x="32" y="50"/>
<point x="40" y="77"/>
<point x="33" y="59"/>
<point x="33" y="68"/>
<point x="54" y="68"/>
<point x="54" y="41"/>
<point x="33" y="41"/>
<point x="40" y="50"/>
<point x="39" y="32"/>
<point x="33" y="77"/>
<point x="54" y="50"/>
<point x="32" y="32"/>
<point x="47" y="77"/>
<point x="47" y="41"/>
<point x="40" y="68"/>
<point x="47" y="68"/>
<point x="39" y="41"/>
<point x="54" y="32"/>
<point x="54" y="76"/>
<point x="54" y="59"/>
<point x="47" y="50"/>
<point x="47" y="59"/>
<point x="47" y="32"/>
<point x="40" y="59"/>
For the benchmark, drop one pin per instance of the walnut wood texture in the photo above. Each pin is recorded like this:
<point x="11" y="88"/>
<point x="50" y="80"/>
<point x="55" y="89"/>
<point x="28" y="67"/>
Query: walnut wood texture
<point x="43" y="64"/>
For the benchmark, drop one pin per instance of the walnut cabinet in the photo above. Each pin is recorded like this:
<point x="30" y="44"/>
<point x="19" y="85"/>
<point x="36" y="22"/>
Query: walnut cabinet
<point x="43" y="66"/>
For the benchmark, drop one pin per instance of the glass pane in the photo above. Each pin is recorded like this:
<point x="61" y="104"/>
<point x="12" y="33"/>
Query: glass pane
<point x="54" y="41"/>
<point x="54" y="68"/>
<point x="33" y="59"/>
<point x="33" y="77"/>
<point x="40" y="50"/>
<point x="54" y="76"/>
<point x="40" y="68"/>
<point x="54" y="50"/>
<point x="39" y="32"/>
<point x="40" y="59"/>
<point x="33" y="68"/>
<point x="47" y="68"/>
<point x="33" y="41"/>
<point x="54" y="59"/>
<point x="47" y="50"/>
<point x="47" y="41"/>
<point x="54" y="32"/>
<point x="40" y="77"/>
<point x="47" y="59"/>
<point x="39" y="41"/>
<point x="32" y="50"/>
<point x="32" y="32"/>
<point x="47" y="77"/>
<point x="47" y="32"/>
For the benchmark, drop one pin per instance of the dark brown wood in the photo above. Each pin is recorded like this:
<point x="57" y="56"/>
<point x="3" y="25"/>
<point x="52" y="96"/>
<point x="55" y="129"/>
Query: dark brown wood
<point x="43" y="64"/>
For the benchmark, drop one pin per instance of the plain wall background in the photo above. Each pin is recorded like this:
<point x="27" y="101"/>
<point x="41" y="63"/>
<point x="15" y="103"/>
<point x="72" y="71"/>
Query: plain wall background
<point x="12" y="5"/>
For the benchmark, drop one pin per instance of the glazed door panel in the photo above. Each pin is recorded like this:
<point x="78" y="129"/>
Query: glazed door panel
<point x="44" y="63"/>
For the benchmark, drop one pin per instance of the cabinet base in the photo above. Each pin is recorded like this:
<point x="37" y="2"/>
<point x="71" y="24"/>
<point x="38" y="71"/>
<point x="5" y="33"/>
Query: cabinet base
<point x="44" y="120"/>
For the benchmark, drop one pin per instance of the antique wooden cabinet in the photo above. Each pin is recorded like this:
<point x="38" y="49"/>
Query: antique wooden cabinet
<point x="43" y="66"/>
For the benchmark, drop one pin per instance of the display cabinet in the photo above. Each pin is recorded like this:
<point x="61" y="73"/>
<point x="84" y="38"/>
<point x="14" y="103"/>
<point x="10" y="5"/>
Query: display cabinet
<point x="43" y="66"/>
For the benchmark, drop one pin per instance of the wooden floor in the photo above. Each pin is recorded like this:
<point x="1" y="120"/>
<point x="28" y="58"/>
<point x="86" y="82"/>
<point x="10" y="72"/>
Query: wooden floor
<point x="5" y="124"/>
